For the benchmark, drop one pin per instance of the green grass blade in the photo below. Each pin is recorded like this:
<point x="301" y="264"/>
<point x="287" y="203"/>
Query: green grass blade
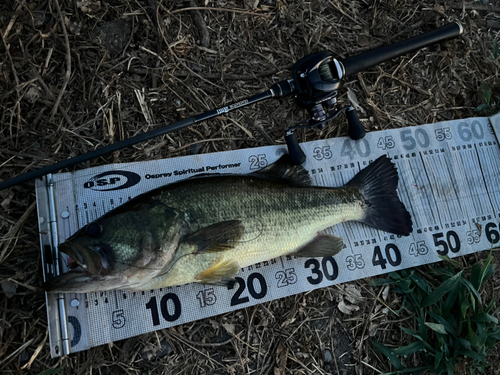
<point x="471" y="289"/>
<point x="445" y="323"/>
<point x="464" y="343"/>
<point x="381" y="282"/>
<point x="472" y="354"/>
<point x="436" y="327"/>
<point x="438" y="358"/>
<point x="439" y="292"/>
<point x="484" y="317"/>
<point x="410" y="349"/>
<point x="389" y="354"/>
<point x="421" y="283"/>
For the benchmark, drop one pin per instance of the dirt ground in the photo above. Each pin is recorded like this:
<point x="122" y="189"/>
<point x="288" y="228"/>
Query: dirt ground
<point x="72" y="77"/>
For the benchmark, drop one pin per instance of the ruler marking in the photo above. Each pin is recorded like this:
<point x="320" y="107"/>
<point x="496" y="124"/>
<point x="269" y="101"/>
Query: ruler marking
<point x="454" y="210"/>
<point x="431" y="190"/>
<point x="408" y="202"/>
<point x="483" y="179"/>
<point x="474" y="182"/>
<point x="493" y="172"/>
<point x="458" y="211"/>
<point x="464" y="188"/>
<point x="424" y="198"/>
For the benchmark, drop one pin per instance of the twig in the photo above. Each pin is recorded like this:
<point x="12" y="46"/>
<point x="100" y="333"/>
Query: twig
<point x="67" y="76"/>
<point x="367" y="322"/>
<point x="190" y="342"/>
<point x="337" y="6"/>
<point x="200" y="23"/>
<point x="14" y="233"/>
<point x="12" y="20"/>
<point x="51" y="96"/>
<point x="220" y="10"/>
<point x="14" y="71"/>
<point x="471" y="6"/>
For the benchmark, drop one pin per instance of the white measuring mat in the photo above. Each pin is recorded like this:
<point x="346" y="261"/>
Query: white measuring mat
<point x="449" y="182"/>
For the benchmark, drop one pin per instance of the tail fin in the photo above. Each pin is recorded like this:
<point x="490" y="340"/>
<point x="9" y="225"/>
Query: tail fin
<point x="378" y="183"/>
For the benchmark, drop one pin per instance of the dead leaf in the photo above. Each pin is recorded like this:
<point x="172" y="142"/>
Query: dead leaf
<point x="346" y="309"/>
<point x="9" y="288"/>
<point x="353" y="294"/>
<point x="385" y="292"/>
<point x="6" y="202"/>
<point x="354" y="100"/>
<point x="281" y="357"/>
<point x="229" y="328"/>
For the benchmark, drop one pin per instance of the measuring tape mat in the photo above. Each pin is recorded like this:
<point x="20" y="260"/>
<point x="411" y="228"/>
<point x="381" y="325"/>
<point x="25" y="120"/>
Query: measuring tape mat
<point x="449" y="182"/>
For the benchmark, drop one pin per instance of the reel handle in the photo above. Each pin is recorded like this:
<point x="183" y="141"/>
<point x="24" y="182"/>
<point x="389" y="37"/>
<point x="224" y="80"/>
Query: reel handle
<point x="356" y="129"/>
<point x="296" y="154"/>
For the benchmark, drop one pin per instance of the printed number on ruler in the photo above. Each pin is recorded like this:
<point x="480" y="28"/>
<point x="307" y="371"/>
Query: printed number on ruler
<point x="353" y="148"/>
<point x="418" y="248"/>
<point x="468" y="131"/>
<point x="492" y="234"/>
<point x="392" y="255"/>
<point x="286" y="277"/>
<point x="320" y="153"/>
<point x="170" y="307"/>
<point x="206" y="297"/>
<point x="386" y="142"/>
<point x="474" y="236"/>
<point x="118" y="319"/>
<point x="443" y="134"/>
<point x="446" y="242"/>
<point x="253" y="280"/>
<point x="354" y="262"/>
<point x="257" y="161"/>
<point x="328" y="268"/>
<point x="410" y="138"/>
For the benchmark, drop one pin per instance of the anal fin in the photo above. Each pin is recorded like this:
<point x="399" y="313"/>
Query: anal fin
<point x="220" y="274"/>
<point x="323" y="245"/>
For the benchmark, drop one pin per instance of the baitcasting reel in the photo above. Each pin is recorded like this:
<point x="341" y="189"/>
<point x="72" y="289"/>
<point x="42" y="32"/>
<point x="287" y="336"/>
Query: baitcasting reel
<point x="316" y="79"/>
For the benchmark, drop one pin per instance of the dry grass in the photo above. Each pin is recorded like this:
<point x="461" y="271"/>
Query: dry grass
<point x="67" y="87"/>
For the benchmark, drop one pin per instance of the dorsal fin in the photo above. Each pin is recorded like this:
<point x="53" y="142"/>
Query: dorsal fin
<point x="284" y="169"/>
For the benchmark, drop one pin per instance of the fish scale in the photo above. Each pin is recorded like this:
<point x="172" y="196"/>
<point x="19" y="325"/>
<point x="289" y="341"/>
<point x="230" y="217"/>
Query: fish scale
<point x="278" y="218"/>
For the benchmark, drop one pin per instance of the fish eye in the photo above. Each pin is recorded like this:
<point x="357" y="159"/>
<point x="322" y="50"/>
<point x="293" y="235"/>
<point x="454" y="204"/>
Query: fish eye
<point x="94" y="230"/>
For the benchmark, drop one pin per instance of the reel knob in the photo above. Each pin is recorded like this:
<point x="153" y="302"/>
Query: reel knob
<point x="356" y="128"/>
<point x="297" y="156"/>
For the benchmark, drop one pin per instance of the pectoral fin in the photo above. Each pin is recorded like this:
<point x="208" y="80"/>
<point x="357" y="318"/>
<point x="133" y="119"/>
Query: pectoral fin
<point x="220" y="274"/>
<point x="221" y="236"/>
<point x="323" y="245"/>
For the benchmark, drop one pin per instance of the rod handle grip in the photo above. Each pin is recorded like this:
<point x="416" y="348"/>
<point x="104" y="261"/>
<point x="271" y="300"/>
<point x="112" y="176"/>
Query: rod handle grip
<point x="365" y="60"/>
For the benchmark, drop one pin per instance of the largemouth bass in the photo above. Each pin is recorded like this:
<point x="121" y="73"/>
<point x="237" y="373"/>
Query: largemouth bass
<point x="204" y="229"/>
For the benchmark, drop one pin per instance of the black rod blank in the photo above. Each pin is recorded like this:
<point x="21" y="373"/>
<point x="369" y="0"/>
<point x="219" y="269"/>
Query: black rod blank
<point x="132" y="141"/>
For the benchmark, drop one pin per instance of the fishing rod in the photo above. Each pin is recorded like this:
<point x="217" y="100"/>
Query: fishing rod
<point x="316" y="79"/>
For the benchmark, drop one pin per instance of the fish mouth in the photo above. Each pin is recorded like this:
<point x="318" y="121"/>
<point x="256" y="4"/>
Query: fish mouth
<point x="82" y="282"/>
<point x="94" y="273"/>
<point x="93" y="260"/>
<point x="73" y="281"/>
